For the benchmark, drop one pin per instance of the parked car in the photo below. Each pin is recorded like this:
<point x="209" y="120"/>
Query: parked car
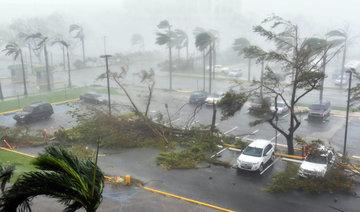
<point x="34" y="112"/>
<point x="94" y="98"/>
<point x="198" y="97"/>
<point x="319" y="110"/>
<point x="316" y="165"/>
<point x="281" y="108"/>
<point x="256" y="155"/>
<point x="337" y="81"/>
<point x="257" y="103"/>
<point x="213" y="99"/>
<point x="235" y="72"/>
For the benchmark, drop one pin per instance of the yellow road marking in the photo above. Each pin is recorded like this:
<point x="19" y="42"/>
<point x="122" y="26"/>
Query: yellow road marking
<point x="188" y="200"/>
<point x="289" y="156"/>
<point x="9" y="150"/>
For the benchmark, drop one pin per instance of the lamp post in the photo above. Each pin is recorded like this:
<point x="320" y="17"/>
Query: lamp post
<point x="347" y="108"/>
<point x="107" y="77"/>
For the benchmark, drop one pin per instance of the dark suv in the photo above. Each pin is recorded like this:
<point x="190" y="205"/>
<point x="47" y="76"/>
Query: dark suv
<point x="34" y="112"/>
<point x="198" y="97"/>
<point x="319" y="110"/>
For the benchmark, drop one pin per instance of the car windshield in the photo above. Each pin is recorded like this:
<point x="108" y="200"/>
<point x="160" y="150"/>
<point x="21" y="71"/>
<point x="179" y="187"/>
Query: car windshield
<point x="28" y="109"/>
<point x="317" y="107"/>
<point x="316" y="159"/>
<point x="213" y="96"/>
<point x="253" y="151"/>
<point x="257" y="101"/>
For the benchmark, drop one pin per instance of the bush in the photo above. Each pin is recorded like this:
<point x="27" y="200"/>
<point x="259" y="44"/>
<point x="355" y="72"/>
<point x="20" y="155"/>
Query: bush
<point x="20" y="136"/>
<point x="335" y="180"/>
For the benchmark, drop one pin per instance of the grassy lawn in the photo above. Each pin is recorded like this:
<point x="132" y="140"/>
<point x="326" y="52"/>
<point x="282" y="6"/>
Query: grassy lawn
<point x="54" y="96"/>
<point x="22" y="163"/>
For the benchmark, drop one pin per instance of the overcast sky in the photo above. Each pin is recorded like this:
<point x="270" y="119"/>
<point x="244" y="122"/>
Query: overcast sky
<point x="119" y="19"/>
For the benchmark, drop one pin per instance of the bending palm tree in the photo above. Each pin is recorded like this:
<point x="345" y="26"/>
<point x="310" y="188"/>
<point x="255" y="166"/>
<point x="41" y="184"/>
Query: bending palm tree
<point x="197" y="31"/>
<point x="205" y="40"/>
<point x="79" y="33"/>
<point x="239" y="45"/>
<point x="182" y="40"/>
<point x="42" y="44"/>
<point x="14" y="49"/>
<point x="66" y="45"/>
<point x="166" y="39"/>
<point x="61" y="176"/>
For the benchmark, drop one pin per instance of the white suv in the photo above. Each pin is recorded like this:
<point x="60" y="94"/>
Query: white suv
<point x="316" y="165"/>
<point x="256" y="155"/>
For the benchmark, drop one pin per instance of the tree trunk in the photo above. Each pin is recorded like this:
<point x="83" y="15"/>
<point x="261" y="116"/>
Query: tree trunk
<point x="47" y="68"/>
<point x="343" y="64"/>
<point x="213" y="118"/>
<point x="249" y="69"/>
<point x="170" y="68"/>
<point x="210" y="67"/>
<point x="1" y="93"/>
<point x="83" y="50"/>
<point x="63" y="51"/>
<point x="187" y="52"/>
<point x="204" y="69"/>
<point x="322" y="80"/>
<point x="31" y="63"/>
<point x="214" y="61"/>
<point x="23" y="74"/>
<point x="68" y="63"/>
<point x="262" y="79"/>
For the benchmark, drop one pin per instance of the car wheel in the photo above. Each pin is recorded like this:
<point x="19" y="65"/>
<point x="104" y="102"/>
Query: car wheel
<point x="261" y="167"/>
<point x="272" y="157"/>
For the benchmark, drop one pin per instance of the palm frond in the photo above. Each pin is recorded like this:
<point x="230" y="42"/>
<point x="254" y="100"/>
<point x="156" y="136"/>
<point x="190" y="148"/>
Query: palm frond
<point x="5" y="174"/>
<point x="337" y="33"/>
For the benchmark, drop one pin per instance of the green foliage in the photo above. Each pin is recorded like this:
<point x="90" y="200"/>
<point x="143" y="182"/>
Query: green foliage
<point x="19" y="136"/>
<point x="198" y="143"/>
<point x="335" y="180"/>
<point x="81" y="151"/>
<point x="60" y="175"/>
<point x="6" y="172"/>
<point x="231" y="103"/>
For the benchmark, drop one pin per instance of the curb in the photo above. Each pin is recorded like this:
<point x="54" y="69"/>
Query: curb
<point x="146" y="188"/>
<point x="54" y="103"/>
<point x="188" y="200"/>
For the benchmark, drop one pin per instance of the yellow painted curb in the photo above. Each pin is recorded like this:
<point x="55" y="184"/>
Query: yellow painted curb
<point x="230" y="145"/>
<point x="54" y="103"/>
<point x="69" y="100"/>
<point x="9" y="150"/>
<point x="182" y="91"/>
<point x="188" y="200"/>
<point x="289" y="156"/>
<point x="343" y="114"/>
<point x="11" y="111"/>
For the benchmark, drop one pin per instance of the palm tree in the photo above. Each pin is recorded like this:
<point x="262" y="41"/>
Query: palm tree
<point x="61" y="175"/>
<point x="5" y="174"/>
<point x="341" y="37"/>
<point x="66" y="45"/>
<point x="205" y="40"/>
<point x="79" y="33"/>
<point x="138" y="39"/>
<point x="14" y="49"/>
<point x="42" y="44"/>
<point x="182" y="40"/>
<point x="197" y="31"/>
<point x="168" y="40"/>
<point x="239" y="45"/>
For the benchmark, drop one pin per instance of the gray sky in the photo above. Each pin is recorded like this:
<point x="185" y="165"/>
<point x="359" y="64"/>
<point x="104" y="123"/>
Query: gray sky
<point x="119" y="19"/>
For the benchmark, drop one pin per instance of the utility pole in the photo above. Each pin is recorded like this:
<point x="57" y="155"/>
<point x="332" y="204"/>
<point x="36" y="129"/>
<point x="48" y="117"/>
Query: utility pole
<point x="108" y="81"/>
<point x="347" y="109"/>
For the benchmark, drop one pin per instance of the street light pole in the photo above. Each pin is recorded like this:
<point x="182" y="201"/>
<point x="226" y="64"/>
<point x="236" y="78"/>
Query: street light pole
<point x="347" y="109"/>
<point x="108" y="81"/>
